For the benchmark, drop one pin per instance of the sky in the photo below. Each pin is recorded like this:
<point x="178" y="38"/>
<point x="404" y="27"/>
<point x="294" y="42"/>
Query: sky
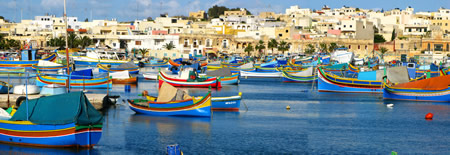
<point x="129" y="10"/>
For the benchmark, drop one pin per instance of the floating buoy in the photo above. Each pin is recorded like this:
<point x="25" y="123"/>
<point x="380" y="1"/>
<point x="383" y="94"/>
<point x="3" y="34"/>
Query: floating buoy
<point x="288" y="107"/>
<point x="390" y="105"/>
<point x="429" y="116"/>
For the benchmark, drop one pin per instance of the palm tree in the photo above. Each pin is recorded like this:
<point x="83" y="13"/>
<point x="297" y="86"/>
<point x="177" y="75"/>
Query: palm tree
<point x="73" y="40"/>
<point x="143" y="51"/>
<point x="57" y="42"/>
<point x="332" y="47"/>
<point x="169" y="46"/>
<point x="248" y="49"/>
<point x="310" y="49"/>
<point x="260" y="46"/>
<point x="283" y="46"/>
<point x="85" y="41"/>
<point x="272" y="44"/>
<point x="323" y="47"/>
<point x="383" y="50"/>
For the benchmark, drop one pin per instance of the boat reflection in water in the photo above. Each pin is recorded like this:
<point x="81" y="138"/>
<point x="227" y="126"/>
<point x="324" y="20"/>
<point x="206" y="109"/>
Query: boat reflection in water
<point x="170" y="127"/>
<point x="17" y="149"/>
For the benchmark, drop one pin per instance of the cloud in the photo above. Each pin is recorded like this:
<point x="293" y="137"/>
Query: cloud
<point x="50" y="4"/>
<point x="219" y="2"/>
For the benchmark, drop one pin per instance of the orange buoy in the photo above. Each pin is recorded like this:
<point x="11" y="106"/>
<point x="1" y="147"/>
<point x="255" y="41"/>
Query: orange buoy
<point x="429" y="116"/>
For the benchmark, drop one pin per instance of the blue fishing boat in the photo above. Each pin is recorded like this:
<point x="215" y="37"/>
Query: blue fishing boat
<point x="333" y="83"/>
<point x="129" y="66"/>
<point x="26" y="61"/>
<point x="67" y="120"/>
<point x="96" y="83"/>
<point x="4" y="87"/>
<point x="187" y="106"/>
<point x="434" y="89"/>
<point x="230" y="103"/>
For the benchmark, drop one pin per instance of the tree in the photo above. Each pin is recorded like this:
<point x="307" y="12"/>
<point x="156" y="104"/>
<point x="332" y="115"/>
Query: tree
<point x="216" y="11"/>
<point x="283" y="46"/>
<point x="72" y="40"/>
<point x="332" y="47"/>
<point x="272" y="44"/>
<point x="310" y="49"/>
<point x="260" y="47"/>
<point x="375" y="29"/>
<point x="57" y="42"/>
<point x="393" y="35"/>
<point x="383" y="50"/>
<point x="378" y="38"/>
<point x="85" y="41"/>
<point x="169" y="46"/>
<point x="143" y="51"/>
<point x="86" y="20"/>
<point x="357" y="9"/>
<point x="323" y="47"/>
<point x="248" y="49"/>
<point x="149" y="19"/>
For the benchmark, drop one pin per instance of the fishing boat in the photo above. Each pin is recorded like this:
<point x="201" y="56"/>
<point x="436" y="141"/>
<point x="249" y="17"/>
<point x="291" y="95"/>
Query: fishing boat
<point x="150" y="76"/>
<point x="67" y="120"/>
<point x="165" y="63"/>
<point x="43" y="65"/>
<point x="129" y="66"/>
<point x="4" y="87"/>
<point x="95" y="83"/>
<point x="93" y="57"/>
<point x="192" y="82"/>
<point x="25" y="62"/>
<point x="24" y="89"/>
<point x="166" y="105"/>
<point x="229" y="103"/>
<point x="122" y="77"/>
<point x="304" y="76"/>
<point x="12" y="72"/>
<point x="435" y="89"/>
<point x="260" y="74"/>
<point x="328" y="82"/>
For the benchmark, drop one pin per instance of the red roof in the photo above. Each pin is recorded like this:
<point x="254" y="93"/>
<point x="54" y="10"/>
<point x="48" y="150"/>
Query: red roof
<point x="69" y="30"/>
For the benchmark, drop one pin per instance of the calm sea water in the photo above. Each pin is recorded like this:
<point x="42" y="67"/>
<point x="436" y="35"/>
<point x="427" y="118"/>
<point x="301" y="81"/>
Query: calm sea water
<point x="318" y="123"/>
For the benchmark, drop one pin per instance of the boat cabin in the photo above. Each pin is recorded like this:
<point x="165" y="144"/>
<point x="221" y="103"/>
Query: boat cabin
<point x="28" y="54"/>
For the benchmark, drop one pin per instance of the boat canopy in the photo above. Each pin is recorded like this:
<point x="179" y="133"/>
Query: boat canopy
<point x="82" y="74"/>
<point x="169" y="93"/>
<point x="398" y="74"/>
<point x="127" y="65"/>
<point x="222" y="72"/>
<point x="67" y="108"/>
<point x="435" y="83"/>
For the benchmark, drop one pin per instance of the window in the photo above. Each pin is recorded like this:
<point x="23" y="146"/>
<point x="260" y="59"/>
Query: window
<point x="137" y="43"/>
<point x="345" y="26"/>
<point x="349" y="46"/>
<point x="165" y="54"/>
<point x="401" y="45"/>
<point x="174" y="55"/>
<point x="280" y="35"/>
<point x="351" y="26"/>
<point x="359" y="47"/>
<point x="287" y="31"/>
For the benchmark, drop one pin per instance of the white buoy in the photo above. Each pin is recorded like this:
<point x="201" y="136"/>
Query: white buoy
<point x="390" y="105"/>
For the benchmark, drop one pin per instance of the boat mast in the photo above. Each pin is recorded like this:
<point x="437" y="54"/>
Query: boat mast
<point x="67" y="44"/>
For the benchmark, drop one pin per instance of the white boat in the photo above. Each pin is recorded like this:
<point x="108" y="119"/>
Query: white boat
<point x="150" y="76"/>
<point x="53" y="89"/>
<point x="31" y="89"/>
<point x="261" y="74"/>
<point x="341" y="55"/>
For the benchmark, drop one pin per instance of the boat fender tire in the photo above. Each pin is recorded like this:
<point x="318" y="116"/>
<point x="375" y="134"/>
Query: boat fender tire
<point x="20" y="100"/>
<point x="141" y="64"/>
<point x="106" y="103"/>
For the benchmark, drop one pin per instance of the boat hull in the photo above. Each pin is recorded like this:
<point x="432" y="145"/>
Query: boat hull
<point x="99" y="83"/>
<point x="132" y="80"/>
<point x="24" y="63"/>
<point x="200" y="108"/>
<point x="67" y="135"/>
<point x="133" y="70"/>
<point x="416" y="95"/>
<point x="261" y="74"/>
<point x="211" y="82"/>
<point x="231" y="103"/>
<point x="334" y="84"/>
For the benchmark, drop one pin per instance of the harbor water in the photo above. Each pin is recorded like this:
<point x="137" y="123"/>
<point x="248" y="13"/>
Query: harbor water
<point x="317" y="123"/>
